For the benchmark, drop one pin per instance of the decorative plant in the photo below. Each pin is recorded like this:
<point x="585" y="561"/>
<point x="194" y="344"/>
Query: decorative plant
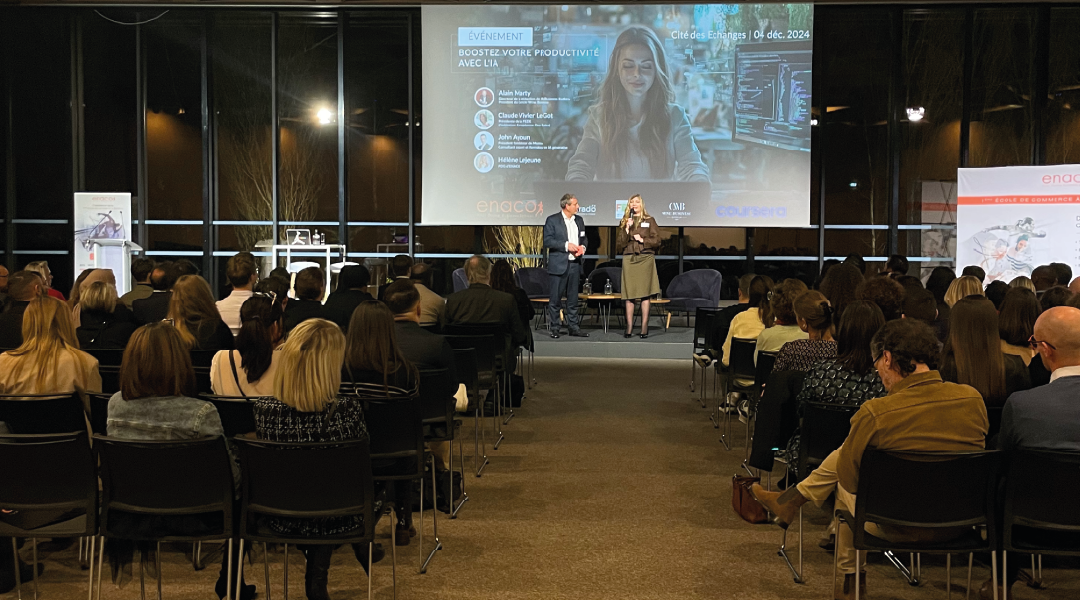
<point x="518" y="239"/>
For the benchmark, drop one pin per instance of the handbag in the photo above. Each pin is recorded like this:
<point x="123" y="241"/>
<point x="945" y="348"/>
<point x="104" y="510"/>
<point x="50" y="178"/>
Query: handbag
<point x="749" y="509"/>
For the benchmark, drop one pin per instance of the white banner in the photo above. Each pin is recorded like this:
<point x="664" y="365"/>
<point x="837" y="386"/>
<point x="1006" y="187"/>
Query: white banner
<point x="100" y="216"/>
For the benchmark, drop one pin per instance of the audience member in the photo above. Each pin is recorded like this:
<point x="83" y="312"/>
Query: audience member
<point x="276" y="288"/>
<point x="921" y="413"/>
<point x="431" y="304"/>
<point x="1016" y="323"/>
<point x="107" y="277"/>
<point x="310" y="288"/>
<point x="376" y="368"/>
<point x="1048" y="417"/>
<point x="156" y="402"/>
<point x="938" y="284"/>
<point x="242" y="270"/>
<point x="825" y="266"/>
<point x="502" y="279"/>
<point x="155" y="307"/>
<point x="856" y="261"/>
<point x="479" y="303"/>
<point x="908" y="282"/>
<point x="749" y="324"/>
<point x="351" y="291"/>
<point x="48" y="359"/>
<point x="184" y="267"/>
<point x="974" y="271"/>
<point x="5" y="299"/>
<point x="1074" y="287"/>
<point x="282" y="274"/>
<point x="400" y="266"/>
<point x="249" y="370"/>
<point x="73" y="295"/>
<point x="814" y="317"/>
<point x="896" y="265"/>
<point x="1054" y="297"/>
<point x="886" y="293"/>
<point x="721" y="322"/>
<point x="972" y="354"/>
<point x="141" y="268"/>
<point x="1064" y="273"/>
<point x="962" y="287"/>
<point x="195" y="316"/>
<point x="780" y="324"/>
<point x="23" y="286"/>
<point x="920" y="304"/>
<point x="104" y="323"/>
<point x="839" y="287"/>
<point x="1025" y="283"/>
<point x="307" y="407"/>
<point x="42" y="268"/>
<point x="1044" y="277"/>
<point x="995" y="292"/>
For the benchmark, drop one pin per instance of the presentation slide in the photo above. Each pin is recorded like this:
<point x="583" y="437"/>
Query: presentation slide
<point x="703" y="110"/>
<point x="1010" y="220"/>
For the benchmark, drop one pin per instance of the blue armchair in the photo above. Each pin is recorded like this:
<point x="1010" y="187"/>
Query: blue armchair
<point x="693" y="289"/>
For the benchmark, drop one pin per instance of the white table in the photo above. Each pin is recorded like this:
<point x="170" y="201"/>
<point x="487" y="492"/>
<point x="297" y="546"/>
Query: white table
<point x="324" y="250"/>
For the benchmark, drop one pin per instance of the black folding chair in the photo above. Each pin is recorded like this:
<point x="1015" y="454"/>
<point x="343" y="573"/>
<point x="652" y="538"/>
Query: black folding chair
<point x="99" y="413"/>
<point x="465" y="361"/>
<point x="50" y="481"/>
<point x="1037" y="522"/>
<point x="184" y="487"/>
<point x="306" y="481"/>
<point x="237" y="413"/>
<point x="487" y="349"/>
<point x="109" y="368"/>
<point x="504" y="362"/>
<point x="702" y="325"/>
<point x="43" y="413"/>
<point x="437" y="408"/>
<point x="735" y="376"/>
<point x="201" y="361"/>
<point x="929" y="490"/>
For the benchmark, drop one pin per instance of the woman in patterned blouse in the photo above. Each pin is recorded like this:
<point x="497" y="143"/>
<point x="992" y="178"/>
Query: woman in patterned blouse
<point x="307" y="408"/>
<point x="814" y="316"/>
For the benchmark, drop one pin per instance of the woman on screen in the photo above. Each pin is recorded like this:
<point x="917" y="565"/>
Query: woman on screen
<point x="638" y="238"/>
<point x="634" y="131"/>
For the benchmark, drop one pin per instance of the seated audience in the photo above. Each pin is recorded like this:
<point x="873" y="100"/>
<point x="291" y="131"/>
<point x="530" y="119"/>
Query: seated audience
<point x="431" y="304"/>
<point x="23" y="286"/>
<point x="920" y="304"/>
<point x="276" y="288"/>
<point x="156" y="402"/>
<point x="1043" y="277"/>
<point x="856" y="261"/>
<point x="721" y="321"/>
<point x="749" y="324"/>
<point x="97" y="275"/>
<point x="41" y="267"/>
<point x="155" y="307"/>
<point x="193" y="313"/>
<point x="921" y="413"/>
<point x="307" y="407"/>
<point x="995" y="292"/>
<point x="399" y="268"/>
<point x="896" y="266"/>
<point x="1064" y="273"/>
<point x="908" y="282"/>
<point x="502" y="279"/>
<point x="825" y="266"/>
<point x="1054" y="297"/>
<point x="1074" y="287"/>
<point x="813" y="315"/>
<point x="479" y="303"/>
<point x="141" y="268"/>
<point x="886" y="293"/>
<point x="1016" y="323"/>
<point x="48" y="359"/>
<point x="780" y="321"/>
<point x="1025" y="283"/>
<point x="73" y="295"/>
<point x="938" y="284"/>
<point x="351" y="291"/>
<point x="962" y="287"/>
<point x="249" y="370"/>
<point x="242" y="270"/>
<point x="973" y="271"/>
<point x="282" y="274"/>
<point x="310" y="287"/>
<point x="839" y="287"/>
<point x="375" y="368"/>
<point x="104" y="323"/>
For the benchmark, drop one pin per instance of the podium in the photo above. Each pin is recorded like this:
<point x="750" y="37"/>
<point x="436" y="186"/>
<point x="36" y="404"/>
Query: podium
<point x="116" y="255"/>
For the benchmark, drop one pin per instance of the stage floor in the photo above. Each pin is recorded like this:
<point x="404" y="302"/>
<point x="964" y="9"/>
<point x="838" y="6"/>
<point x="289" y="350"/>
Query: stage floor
<point x="676" y="342"/>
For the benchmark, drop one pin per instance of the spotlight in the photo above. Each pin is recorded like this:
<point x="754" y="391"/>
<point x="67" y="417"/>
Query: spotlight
<point x="853" y="184"/>
<point x="813" y="122"/>
<point x="325" y="116"/>
<point x="916" y="114"/>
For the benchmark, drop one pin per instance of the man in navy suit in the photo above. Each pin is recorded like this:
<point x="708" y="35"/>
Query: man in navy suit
<point x="564" y="237"/>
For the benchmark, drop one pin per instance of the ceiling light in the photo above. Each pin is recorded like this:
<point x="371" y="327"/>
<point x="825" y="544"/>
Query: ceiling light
<point x="916" y="114"/>
<point x="325" y="116"/>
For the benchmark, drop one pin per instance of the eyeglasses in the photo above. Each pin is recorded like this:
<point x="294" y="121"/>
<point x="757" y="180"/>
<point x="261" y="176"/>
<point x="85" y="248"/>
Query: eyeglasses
<point x="271" y="295"/>
<point x="1034" y="343"/>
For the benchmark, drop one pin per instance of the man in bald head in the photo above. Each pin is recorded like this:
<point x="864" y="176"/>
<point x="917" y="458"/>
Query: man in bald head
<point x="1074" y="287"/>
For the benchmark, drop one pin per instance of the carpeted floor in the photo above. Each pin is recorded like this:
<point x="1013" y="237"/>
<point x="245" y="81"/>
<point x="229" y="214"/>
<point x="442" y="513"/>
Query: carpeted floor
<point x="611" y="483"/>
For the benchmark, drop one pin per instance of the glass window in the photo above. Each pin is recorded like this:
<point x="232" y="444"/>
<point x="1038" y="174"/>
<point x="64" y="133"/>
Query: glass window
<point x="1001" y="87"/>
<point x="1063" y="109"/>
<point x="110" y="109"/>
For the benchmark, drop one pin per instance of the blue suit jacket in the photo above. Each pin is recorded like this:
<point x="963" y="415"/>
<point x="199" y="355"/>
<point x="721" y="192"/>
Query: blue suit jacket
<point x="1043" y="418"/>
<point x="555" y="241"/>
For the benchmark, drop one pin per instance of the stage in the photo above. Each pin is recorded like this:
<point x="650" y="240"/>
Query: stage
<point x="676" y="342"/>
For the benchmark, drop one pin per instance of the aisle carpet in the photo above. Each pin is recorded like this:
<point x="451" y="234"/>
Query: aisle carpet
<point x="611" y="484"/>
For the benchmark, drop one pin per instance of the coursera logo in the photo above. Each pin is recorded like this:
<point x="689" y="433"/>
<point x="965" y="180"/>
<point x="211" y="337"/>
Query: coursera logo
<point x="766" y="212"/>
<point x="510" y="207"/>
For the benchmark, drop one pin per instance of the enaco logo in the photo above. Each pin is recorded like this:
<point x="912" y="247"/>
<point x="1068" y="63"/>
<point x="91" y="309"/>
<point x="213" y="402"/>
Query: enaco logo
<point x="1066" y="179"/>
<point x="759" y="212"/>
<point x="510" y="207"/>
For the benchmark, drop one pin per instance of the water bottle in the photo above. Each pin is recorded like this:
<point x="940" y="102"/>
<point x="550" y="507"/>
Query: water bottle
<point x="607" y="288"/>
<point x="587" y="288"/>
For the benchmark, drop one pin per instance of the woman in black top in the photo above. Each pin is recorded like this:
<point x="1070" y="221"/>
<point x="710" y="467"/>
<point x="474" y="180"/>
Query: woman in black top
<point x="104" y="322"/>
<point x="502" y="279"/>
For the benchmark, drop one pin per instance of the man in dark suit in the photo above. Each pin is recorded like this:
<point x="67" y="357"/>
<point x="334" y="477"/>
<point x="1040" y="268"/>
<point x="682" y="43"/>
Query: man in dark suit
<point x="155" y="307"/>
<point x="564" y="237"/>
<point x="400" y="266"/>
<point x="478" y="303"/>
<point x="351" y="291"/>
<point x="310" y="286"/>
<point x="23" y="286"/>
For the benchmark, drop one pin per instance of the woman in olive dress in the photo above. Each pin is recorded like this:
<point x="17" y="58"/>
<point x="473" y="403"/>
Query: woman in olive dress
<point x="638" y="237"/>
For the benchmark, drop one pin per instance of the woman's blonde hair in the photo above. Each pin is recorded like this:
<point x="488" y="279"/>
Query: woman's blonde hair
<point x="192" y="304"/>
<point x="309" y="375"/>
<point x="99" y="296"/>
<point x="1022" y="282"/>
<point x="47" y="330"/>
<point x="963" y="287"/>
<point x="638" y="218"/>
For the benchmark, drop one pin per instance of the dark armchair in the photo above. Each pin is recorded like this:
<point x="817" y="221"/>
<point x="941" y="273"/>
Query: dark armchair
<point x="693" y="289"/>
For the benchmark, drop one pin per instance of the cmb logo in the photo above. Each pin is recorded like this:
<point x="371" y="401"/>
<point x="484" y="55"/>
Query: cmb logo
<point x="677" y="206"/>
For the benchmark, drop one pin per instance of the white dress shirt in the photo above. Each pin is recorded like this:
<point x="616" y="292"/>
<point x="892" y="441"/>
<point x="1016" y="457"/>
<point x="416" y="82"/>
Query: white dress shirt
<point x="230" y="309"/>
<point x="1064" y="372"/>
<point x="571" y="232"/>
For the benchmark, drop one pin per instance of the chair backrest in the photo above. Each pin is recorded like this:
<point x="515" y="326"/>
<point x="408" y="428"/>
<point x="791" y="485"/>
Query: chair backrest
<point x="496" y="330"/>
<point x="742" y="358"/>
<point x="534" y="281"/>
<point x="99" y="413"/>
<point x="483" y="347"/>
<point x="107" y="358"/>
<point x="765" y="362"/>
<point x="309" y="480"/>
<point x="397" y="432"/>
<point x="700" y="283"/>
<point x="237" y="413"/>
<point x="1027" y="502"/>
<point x="48" y="474"/>
<point x="465" y="365"/>
<point x="601" y="275"/>
<point x="460" y="281"/>
<point x="436" y="397"/>
<point x="911" y="488"/>
<point x="702" y="325"/>
<point x="110" y="378"/>
<point x="43" y="413"/>
<point x="166" y="478"/>
<point x="824" y="428"/>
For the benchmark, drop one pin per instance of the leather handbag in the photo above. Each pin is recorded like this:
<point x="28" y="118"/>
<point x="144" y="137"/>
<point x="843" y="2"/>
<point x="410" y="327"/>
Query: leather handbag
<point x="749" y="509"/>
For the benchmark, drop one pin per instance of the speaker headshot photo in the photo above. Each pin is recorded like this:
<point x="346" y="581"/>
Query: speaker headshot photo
<point x="484" y="97"/>
<point x="484" y="141"/>
<point x="484" y="119"/>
